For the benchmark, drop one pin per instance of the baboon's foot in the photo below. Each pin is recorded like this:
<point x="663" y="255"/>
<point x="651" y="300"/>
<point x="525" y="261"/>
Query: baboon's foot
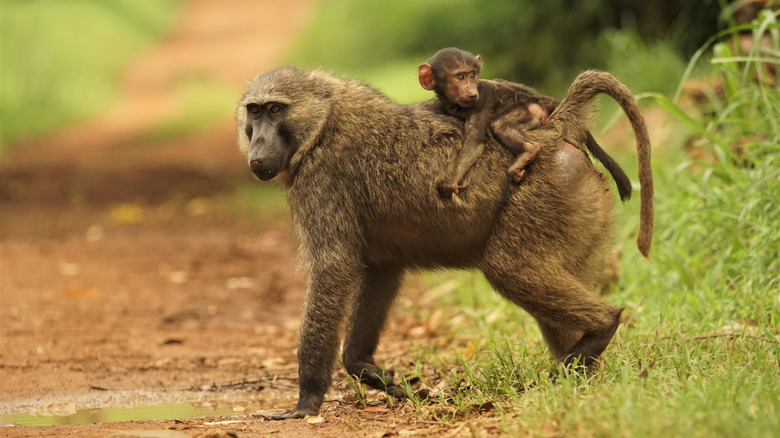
<point x="592" y="344"/>
<point x="517" y="169"/>
<point x="378" y="378"/>
<point x="308" y="404"/>
<point x="447" y="189"/>
<point x="516" y="174"/>
<point x="288" y="414"/>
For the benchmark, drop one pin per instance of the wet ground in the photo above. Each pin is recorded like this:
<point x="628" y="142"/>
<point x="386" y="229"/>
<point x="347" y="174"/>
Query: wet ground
<point x="140" y="295"/>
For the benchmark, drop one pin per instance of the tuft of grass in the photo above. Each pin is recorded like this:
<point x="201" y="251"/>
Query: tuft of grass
<point x="61" y="60"/>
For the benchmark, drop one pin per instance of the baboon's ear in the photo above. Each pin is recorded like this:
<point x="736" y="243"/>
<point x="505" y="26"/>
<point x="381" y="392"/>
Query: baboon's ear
<point x="425" y="74"/>
<point x="479" y="63"/>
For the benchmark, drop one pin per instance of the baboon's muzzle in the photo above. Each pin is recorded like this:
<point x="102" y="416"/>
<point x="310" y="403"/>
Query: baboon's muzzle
<point x="262" y="171"/>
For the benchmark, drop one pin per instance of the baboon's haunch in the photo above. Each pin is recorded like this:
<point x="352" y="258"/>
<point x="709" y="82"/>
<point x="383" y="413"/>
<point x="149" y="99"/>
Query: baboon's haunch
<point x="508" y="110"/>
<point x="360" y="173"/>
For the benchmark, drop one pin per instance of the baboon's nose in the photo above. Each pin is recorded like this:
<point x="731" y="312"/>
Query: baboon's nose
<point x="257" y="167"/>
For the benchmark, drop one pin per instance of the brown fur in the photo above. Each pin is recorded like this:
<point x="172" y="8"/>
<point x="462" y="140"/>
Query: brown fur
<point x="360" y="173"/>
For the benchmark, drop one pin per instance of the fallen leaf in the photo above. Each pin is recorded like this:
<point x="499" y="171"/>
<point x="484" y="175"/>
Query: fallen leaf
<point x="374" y="409"/>
<point x="315" y="420"/>
<point x="69" y="269"/>
<point x="234" y="283"/>
<point x="127" y="214"/>
<point x="220" y="423"/>
<point x="178" y="277"/>
<point x="473" y="348"/>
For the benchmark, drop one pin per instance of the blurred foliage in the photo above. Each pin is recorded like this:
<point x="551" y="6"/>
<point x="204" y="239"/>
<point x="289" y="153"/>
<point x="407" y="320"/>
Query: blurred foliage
<point x="60" y="60"/>
<point x="538" y="43"/>
<point x="203" y="102"/>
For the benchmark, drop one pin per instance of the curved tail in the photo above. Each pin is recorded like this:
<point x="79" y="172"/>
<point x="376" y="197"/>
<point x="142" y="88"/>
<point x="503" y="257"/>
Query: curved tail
<point x="574" y="111"/>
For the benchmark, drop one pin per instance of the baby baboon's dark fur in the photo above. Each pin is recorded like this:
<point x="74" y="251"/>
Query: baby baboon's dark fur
<point x="360" y="173"/>
<point x="509" y="110"/>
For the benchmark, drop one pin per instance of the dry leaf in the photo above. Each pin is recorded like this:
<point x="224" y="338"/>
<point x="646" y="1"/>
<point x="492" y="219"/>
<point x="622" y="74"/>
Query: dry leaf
<point x="374" y="409"/>
<point x="127" y="214"/>
<point x="315" y="420"/>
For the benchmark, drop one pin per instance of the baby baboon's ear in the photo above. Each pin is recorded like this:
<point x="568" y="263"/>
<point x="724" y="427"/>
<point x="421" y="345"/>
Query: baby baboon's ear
<point x="425" y="74"/>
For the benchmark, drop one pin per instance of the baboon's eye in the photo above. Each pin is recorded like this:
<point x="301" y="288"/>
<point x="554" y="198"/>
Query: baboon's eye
<point x="461" y="77"/>
<point x="253" y="108"/>
<point x="274" y="108"/>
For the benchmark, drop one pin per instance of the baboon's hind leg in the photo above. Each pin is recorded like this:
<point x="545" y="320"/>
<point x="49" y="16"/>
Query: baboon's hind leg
<point x="561" y="304"/>
<point x="559" y="340"/>
<point x="369" y="314"/>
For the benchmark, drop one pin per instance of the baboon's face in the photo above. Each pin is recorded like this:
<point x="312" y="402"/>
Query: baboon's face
<point x="282" y="112"/>
<point x="268" y="135"/>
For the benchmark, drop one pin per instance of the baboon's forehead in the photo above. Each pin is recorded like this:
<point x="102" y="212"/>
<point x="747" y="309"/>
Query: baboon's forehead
<point x="284" y="85"/>
<point x="452" y="59"/>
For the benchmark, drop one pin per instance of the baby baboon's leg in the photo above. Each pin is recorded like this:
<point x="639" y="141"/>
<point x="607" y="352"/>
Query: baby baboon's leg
<point x="517" y="169"/>
<point x="510" y="130"/>
<point x="369" y="313"/>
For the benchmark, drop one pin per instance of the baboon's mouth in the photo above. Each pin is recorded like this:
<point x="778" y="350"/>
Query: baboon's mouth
<point x="468" y="103"/>
<point x="264" y="175"/>
<point x="261" y="171"/>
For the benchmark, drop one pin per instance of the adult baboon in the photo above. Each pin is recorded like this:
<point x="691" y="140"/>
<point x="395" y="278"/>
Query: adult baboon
<point x="361" y="172"/>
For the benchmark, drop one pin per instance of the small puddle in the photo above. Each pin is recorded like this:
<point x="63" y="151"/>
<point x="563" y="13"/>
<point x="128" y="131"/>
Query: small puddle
<point x="142" y="413"/>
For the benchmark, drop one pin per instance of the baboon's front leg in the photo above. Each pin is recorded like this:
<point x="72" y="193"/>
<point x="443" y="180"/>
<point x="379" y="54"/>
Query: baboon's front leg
<point x="326" y="298"/>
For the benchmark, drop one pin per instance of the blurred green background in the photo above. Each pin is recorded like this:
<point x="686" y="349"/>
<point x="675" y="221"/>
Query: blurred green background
<point x="61" y="61"/>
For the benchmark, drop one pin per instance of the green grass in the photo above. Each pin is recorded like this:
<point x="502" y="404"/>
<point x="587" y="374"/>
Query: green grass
<point x="60" y="62"/>
<point x="701" y="353"/>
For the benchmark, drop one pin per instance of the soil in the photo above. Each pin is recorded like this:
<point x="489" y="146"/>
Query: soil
<point x="128" y="278"/>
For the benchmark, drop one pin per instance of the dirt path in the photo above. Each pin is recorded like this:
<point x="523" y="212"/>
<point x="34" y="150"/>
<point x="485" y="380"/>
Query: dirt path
<point x="126" y="280"/>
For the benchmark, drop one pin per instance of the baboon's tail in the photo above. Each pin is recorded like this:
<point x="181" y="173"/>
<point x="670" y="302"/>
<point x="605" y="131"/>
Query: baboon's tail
<point x="575" y="108"/>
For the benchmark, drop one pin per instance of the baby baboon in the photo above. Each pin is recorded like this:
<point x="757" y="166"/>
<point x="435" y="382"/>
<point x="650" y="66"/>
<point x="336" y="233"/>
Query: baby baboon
<point x="360" y="174"/>
<point x="510" y="110"/>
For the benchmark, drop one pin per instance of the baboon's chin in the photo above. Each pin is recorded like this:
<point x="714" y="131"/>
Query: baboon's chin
<point x="264" y="175"/>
